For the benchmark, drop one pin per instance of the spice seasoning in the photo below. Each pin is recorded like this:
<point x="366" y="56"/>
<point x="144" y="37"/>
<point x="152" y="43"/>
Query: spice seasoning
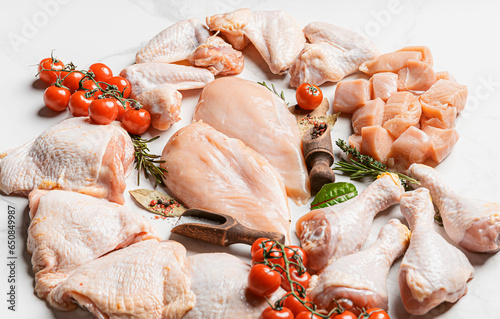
<point x="163" y="205"/>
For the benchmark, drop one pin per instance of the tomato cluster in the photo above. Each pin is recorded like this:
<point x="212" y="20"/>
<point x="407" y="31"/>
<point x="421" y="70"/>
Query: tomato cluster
<point x="276" y="265"/>
<point x="95" y="93"/>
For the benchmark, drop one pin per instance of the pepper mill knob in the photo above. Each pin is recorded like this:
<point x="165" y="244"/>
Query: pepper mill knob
<point x="318" y="154"/>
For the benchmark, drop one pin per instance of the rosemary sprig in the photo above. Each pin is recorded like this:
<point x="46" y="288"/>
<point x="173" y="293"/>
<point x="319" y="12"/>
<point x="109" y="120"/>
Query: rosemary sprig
<point x="358" y="165"/>
<point x="280" y="95"/>
<point x="146" y="162"/>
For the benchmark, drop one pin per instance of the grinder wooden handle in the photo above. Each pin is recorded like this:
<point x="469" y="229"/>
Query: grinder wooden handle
<point x="318" y="154"/>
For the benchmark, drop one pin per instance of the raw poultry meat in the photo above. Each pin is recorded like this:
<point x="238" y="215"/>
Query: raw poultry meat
<point x="329" y="233"/>
<point x="432" y="271"/>
<point x="351" y="95"/>
<point x="209" y="170"/>
<point x="360" y="280"/>
<point x="384" y="85"/>
<point x="72" y="155"/>
<point x="156" y="85"/>
<point x="333" y="54"/>
<point x="147" y="280"/>
<point x="248" y="111"/>
<point x="231" y="300"/>
<point x="175" y="43"/>
<point x="69" y="229"/>
<point x="471" y="223"/>
<point x="275" y="34"/>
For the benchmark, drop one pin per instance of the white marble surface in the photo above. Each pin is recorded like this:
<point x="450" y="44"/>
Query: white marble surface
<point x="461" y="34"/>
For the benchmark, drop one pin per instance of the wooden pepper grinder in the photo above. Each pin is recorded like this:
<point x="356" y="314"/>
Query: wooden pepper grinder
<point x="318" y="154"/>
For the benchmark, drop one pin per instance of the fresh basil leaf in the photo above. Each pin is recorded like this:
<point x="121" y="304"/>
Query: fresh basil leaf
<point x="334" y="193"/>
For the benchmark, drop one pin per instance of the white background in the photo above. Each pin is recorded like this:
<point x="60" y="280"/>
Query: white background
<point x="463" y="37"/>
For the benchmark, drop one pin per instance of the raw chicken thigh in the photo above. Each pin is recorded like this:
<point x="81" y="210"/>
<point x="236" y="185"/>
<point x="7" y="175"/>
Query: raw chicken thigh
<point x="175" y="43"/>
<point x="231" y="299"/>
<point x="275" y="34"/>
<point x="360" y="280"/>
<point x="209" y="170"/>
<point x="156" y="85"/>
<point x="72" y="155"/>
<point x="329" y="233"/>
<point x="471" y="223"/>
<point x="248" y="111"/>
<point x="333" y="54"/>
<point x="147" y="280"/>
<point x="69" y="229"/>
<point x="432" y="271"/>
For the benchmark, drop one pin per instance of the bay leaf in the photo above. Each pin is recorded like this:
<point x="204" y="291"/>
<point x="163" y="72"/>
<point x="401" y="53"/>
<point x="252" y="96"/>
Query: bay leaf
<point x="334" y="193"/>
<point x="145" y="196"/>
<point x="306" y="123"/>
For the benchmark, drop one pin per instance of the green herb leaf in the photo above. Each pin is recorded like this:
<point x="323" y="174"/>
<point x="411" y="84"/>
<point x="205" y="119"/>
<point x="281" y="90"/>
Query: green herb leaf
<point x="280" y="95"/>
<point x="147" y="197"/>
<point x="334" y="193"/>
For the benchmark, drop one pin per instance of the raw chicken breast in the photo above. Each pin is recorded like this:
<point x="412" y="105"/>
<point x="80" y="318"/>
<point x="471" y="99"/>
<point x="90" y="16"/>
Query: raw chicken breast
<point x="389" y="62"/>
<point x="432" y="271"/>
<point x="275" y="34"/>
<point x="72" y="155"/>
<point x="209" y="170"/>
<point x="218" y="57"/>
<point x="248" y="111"/>
<point x="425" y="51"/>
<point x="416" y="76"/>
<point x="446" y="92"/>
<point x="445" y="75"/>
<point x="69" y="229"/>
<point x="231" y="298"/>
<point x="376" y="142"/>
<point x="333" y="54"/>
<point x="351" y="95"/>
<point x="443" y="141"/>
<point x="147" y="76"/>
<point x="146" y="280"/>
<point x="384" y="85"/>
<point x="175" y="43"/>
<point x="438" y="115"/>
<point x="402" y="121"/>
<point x="368" y="115"/>
<point x="397" y="103"/>
<point x="329" y="233"/>
<point x="360" y="280"/>
<point x="356" y="141"/>
<point x="413" y="146"/>
<point x="471" y="223"/>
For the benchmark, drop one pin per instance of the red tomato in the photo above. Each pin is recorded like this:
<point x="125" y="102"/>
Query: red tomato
<point x="101" y="71"/>
<point x="56" y="98"/>
<point x="294" y="304"/>
<point x="257" y="244"/>
<point x="135" y="121"/>
<point x="292" y="252"/>
<point x="300" y="279"/>
<point x="89" y="85"/>
<point x="262" y="281"/>
<point x="121" y="83"/>
<point x="274" y="257"/>
<point x="49" y="77"/>
<point x="79" y="104"/>
<point x="103" y="111"/>
<point x="307" y="315"/>
<point x="270" y="313"/>
<point x="344" y="315"/>
<point x="308" y="96"/>
<point x="376" y="313"/>
<point x="122" y="109"/>
<point x="72" y="80"/>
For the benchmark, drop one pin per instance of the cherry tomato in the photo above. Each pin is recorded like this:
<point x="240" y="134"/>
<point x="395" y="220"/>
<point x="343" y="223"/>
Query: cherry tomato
<point x="122" y="109"/>
<point x="89" y="85"/>
<point x="135" y="121"/>
<point x="101" y="71"/>
<point x="344" y="315"/>
<point x="72" y="80"/>
<point x="376" y="313"/>
<point x="103" y="111"/>
<point x="257" y="245"/>
<point x="308" y="96"/>
<point x="274" y="257"/>
<point x="294" y="304"/>
<point x="122" y="84"/>
<point x="307" y="315"/>
<point x="270" y="313"/>
<point x="292" y="252"/>
<point x="300" y="279"/>
<point x="79" y="104"/>
<point x="262" y="281"/>
<point x="49" y="77"/>
<point x="56" y="98"/>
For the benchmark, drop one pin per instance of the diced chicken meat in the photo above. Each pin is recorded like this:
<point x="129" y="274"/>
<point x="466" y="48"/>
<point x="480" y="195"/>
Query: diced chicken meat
<point x="443" y="141"/>
<point x="416" y="76"/>
<point x="402" y="121"/>
<point x="413" y="146"/>
<point x="389" y="62"/>
<point x="384" y="85"/>
<point x="376" y="142"/>
<point x="446" y="92"/>
<point x="351" y="95"/>
<point x="368" y="115"/>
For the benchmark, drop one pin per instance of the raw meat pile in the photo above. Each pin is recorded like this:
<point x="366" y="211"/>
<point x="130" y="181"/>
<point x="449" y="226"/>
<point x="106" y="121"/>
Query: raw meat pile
<point x="406" y="112"/>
